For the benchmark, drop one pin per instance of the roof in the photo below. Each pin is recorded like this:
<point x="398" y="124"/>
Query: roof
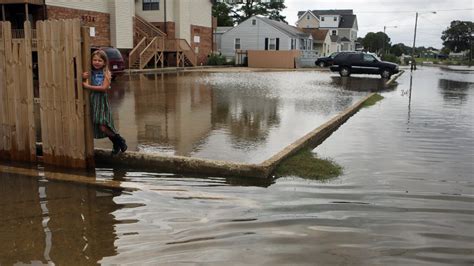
<point x="222" y="29"/>
<point x="318" y="34"/>
<point x="347" y="16"/>
<point x="344" y="39"/>
<point x="328" y="12"/>
<point x="347" y="21"/>
<point x="334" y="38"/>
<point x="285" y="28"/>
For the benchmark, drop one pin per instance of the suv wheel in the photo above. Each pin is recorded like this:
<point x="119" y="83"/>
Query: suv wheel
<point x="345" y="72"/>
<point x="321" y="64"/>
<point x="386" y="74"/>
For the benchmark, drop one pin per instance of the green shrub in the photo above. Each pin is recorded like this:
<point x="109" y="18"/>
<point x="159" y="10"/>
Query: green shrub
<point x="216" y="60"/>
<point x="391" y="58"/>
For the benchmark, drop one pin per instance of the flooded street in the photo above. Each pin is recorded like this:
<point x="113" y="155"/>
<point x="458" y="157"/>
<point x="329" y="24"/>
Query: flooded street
<point x="406" y="196"/>
<point x="240" y="117"/>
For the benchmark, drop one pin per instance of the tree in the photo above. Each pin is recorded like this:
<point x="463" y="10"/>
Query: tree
<point x="248" y="8"/>
<point x="399" y="49"/>
<point x="374" y="42"/>
<point x="458" y="36"/>
<point x="221" y="11"/>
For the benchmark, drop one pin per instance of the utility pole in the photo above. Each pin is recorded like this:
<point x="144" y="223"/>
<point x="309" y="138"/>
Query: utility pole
<point x="413" y="64"/>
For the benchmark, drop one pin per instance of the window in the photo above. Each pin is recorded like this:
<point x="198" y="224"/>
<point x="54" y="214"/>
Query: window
<point x="272" y="44"/>
<point x="151" y="5"/>
<point x="369" y="58"/>
<point x="322" y="18"/>
<point x="254" y="22"/>
<point x="293" y="44"/>
<point x="237" y="44"/>
<point x="307" y="17"/>
<point x="334" y="32"/>
<point x="335" y="18"/>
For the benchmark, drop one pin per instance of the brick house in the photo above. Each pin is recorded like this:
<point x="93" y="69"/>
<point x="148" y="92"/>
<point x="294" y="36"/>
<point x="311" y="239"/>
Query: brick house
<point x="124" y="23"/>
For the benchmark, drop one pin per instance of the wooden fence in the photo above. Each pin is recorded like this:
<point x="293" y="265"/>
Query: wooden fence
<point x="17" y="130"/>
<point x="66" y="130"/>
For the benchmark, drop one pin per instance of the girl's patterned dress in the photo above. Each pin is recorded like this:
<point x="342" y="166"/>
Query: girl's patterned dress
<point x="100" y="109"/>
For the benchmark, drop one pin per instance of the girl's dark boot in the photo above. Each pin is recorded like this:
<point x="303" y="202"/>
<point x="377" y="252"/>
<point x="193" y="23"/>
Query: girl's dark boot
<point x="116" y="145"/>
<point x="122" y="143"/>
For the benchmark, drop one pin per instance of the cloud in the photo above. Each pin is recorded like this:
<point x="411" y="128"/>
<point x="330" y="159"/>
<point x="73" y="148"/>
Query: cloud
<point x="373" y="15"/>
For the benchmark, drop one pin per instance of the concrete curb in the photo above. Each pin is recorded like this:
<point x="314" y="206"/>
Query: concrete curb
<point x="315" y="137"/>
<point x="394" y="77"/>
<point x="180" y="164"/>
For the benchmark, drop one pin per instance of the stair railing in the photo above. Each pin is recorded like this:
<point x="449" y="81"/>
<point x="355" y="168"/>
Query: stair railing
<point x="134" y="55"/>
<point x="150" y="29"/>
<point x="188" y="51"/>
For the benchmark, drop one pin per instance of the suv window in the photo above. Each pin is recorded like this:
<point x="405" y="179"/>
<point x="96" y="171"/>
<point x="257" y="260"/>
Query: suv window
<point x="354" y="57"/>
<point x="113" y="54"/>
<point x="369" y="58"/>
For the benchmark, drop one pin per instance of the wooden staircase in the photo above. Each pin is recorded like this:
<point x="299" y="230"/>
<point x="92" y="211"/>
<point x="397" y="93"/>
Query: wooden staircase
<point x="153" y="44"/>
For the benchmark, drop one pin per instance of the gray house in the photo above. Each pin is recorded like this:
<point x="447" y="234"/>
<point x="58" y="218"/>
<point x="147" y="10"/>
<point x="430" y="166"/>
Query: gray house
<point x="339" y="22"/>
<point x="259" y="33"/>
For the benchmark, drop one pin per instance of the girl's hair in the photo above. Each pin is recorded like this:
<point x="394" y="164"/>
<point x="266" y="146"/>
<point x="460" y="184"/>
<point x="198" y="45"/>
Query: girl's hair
<point x="102" y="55"/>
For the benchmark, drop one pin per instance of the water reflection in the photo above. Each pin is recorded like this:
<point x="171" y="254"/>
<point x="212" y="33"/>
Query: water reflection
<point x="244" y="117"/>
<point x="44" y="222"/>
<point x="247" y="116"/>
<point x="454" y="90"/>
<point x="361" y="83"/>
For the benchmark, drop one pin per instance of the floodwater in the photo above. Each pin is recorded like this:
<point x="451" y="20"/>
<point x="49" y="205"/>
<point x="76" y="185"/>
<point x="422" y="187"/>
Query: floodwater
<point x="406" y="198"/>
<point x="240" y="117"/>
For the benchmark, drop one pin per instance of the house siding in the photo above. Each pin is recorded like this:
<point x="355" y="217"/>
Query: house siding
<point x="183" y="14"/>
<point x="121" y="24"/>
<point x="329" y="21"/>
<point x="89" y="5"/>
<point x="312" y="22"/>
<point x="156" y="15"/>
<point x="252" y="37"/>
<point x="192" y="12"/>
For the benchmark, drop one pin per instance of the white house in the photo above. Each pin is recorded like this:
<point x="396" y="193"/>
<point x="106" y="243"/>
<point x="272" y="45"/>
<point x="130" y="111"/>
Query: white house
<point x="259" y="33"/>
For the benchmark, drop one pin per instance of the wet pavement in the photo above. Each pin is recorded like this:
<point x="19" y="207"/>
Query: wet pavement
<point x="406" y="198"/>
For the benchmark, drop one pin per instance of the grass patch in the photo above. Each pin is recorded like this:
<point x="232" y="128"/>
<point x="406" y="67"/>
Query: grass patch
<point x="372" y="100"/>
<point x="304" y="164"/>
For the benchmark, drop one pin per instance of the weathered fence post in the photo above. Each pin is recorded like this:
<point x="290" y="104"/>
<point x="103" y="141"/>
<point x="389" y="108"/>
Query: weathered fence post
<point x="17" y="126"/>
<point x="86" y="64"/>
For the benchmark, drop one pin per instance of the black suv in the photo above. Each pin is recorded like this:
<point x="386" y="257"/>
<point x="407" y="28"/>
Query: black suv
<point x="362" y="63"/>
<point x="326" y="61"/>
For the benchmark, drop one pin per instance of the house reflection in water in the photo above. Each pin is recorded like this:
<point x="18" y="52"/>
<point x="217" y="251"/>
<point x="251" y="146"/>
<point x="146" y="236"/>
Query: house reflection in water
<point x="247" y="115"/>
<point x="44" y="222"/>
<point x="178" y="114"/>
<point x="173" y="113"/>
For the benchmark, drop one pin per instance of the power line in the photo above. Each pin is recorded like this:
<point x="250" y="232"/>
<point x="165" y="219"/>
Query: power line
<point x="413" y="11"/>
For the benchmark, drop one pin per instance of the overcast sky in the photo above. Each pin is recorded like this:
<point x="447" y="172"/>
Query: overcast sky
<point x="373" y="15"/>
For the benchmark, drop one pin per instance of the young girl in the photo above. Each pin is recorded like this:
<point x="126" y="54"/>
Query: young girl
<point x="100" y="78"/>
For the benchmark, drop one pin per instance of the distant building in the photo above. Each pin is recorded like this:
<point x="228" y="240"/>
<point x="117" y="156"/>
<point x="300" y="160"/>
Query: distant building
<point x="341" y="24"/>
<point x="321" y="41"/>
<point x="259" y="33"/>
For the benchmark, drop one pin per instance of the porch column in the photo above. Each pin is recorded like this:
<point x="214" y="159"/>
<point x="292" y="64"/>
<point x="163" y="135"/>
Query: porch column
<point x="27" y="18"/>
